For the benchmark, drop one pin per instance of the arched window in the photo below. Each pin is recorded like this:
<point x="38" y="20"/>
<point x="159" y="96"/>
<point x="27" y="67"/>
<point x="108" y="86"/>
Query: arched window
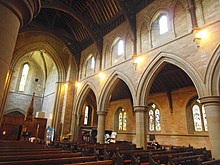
<point x="92" y="62"/>
<point x="120" y="46"/>
<point x="90" y="66"/>
<point x="87" y="115"/>
<point x="117" y="51"/>
<point x="163" y="24"/>
<point x="154" y="118"/>
<point x="199" y="117"/>
<point x="24" y="75"/>
<point x="121" y="119"/>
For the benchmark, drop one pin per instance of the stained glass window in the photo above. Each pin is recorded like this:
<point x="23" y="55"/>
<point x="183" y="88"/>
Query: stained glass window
<point x="157" y="120"/>
<point x="86" y="115"/>
<point x="199" y="116"/>
<point x="122" y="120"/>
<point x="154" y="118"/>
<point x="204" y="119"/>
<point x="151" y="120"/>
<point x="163" y="24"/>
<point x="23" y="77"/>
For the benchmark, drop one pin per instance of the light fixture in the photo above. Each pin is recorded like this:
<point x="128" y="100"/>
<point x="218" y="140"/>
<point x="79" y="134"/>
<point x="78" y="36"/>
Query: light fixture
<point x="101" y="76"/>
<point x="200" y="35"/>
<point x="77" y="84"/>
<point x="137" y="60"/>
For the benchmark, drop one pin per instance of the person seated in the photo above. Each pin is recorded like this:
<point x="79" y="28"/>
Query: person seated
<point x="156" y="144"/>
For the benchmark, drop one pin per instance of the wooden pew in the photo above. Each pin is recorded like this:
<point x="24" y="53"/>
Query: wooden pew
<point x="124" y="156"/>
<point x="164" y="157"/>
<point x="210" y="162"/>
<point x="103" y="162"/>
<point x="186" y="160"/>
<point x="39" y="156"/>
<point x="54" y="161"/>
<point x="26" y="150"/>
<point x="34" y="152"/>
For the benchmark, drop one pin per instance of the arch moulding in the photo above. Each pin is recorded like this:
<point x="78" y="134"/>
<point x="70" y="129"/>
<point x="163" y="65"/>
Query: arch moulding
<point x="82" y="96"/>
<point x="109" y="86"/>
<point x="212" y="76"/>
<point x="157" y="64"/>
<point x="41" y="46"/>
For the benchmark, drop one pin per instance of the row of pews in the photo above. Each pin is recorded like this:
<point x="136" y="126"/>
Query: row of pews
<point x="67" y="153"/>
<point x="127" y="153"/>
<point x="27" y="153"/>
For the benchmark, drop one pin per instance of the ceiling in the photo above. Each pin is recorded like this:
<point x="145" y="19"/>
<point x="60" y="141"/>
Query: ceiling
<point x="80" y="23"/>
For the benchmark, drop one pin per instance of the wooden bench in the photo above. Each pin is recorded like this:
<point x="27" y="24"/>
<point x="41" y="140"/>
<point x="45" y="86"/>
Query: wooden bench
<point x="54" y="161"/>
<point x="164" y="157"/>
<point x="188" y="160"/>
<point x="103" y="162"/>
<point x="34" y="152"/>
<point x="210" y="162"/>
<point x="38" y="156"/>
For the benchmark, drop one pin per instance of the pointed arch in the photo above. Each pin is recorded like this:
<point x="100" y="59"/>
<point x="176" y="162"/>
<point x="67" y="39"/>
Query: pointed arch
<point x="21" y="111"/>
<point x="109" y="86"/>
<point x="30" y="47"/>
<point x="82" y="96"/>
<point x="212" y="75"/>
<point x="157" y="64"/>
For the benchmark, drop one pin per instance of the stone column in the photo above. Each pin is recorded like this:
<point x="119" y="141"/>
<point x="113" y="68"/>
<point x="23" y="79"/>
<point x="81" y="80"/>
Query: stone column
<point x="212" y="109"/>
<point x="101" y="127"/>
<point x="58" y="105"/>
<point x="140" y="113"/>
<point x="13" y="16"/>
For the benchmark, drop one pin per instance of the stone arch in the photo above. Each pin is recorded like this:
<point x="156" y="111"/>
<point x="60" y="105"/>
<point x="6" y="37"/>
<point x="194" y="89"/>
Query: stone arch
<point x="83" y="93"/>
<point x="212" y="75"/>
<point x="44" y="46"/>
<point x="157" y="64"/>
<point x="106" y="90"/>
<point x="16" y="110"/>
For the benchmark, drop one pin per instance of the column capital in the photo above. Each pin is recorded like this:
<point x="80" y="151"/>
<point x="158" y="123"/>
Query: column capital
<point x="140" y="108"/>
<point x="25" y="10"/>
<point x="210" y="100"/>
<point x="101" y="112"/>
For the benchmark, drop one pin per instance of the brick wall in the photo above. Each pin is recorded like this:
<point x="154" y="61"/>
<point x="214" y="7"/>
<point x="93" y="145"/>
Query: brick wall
<point x="173" y="125"/>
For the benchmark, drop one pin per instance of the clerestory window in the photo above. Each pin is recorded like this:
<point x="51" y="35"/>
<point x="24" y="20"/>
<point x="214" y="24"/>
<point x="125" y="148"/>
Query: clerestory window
<point x="24" y="75"/>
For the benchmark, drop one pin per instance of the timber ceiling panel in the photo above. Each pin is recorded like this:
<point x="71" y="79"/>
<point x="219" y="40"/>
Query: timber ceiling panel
<point x="80" y="23"/>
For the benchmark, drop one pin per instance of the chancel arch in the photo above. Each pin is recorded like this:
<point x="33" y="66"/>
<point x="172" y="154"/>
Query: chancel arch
<point x="57" y="60"/>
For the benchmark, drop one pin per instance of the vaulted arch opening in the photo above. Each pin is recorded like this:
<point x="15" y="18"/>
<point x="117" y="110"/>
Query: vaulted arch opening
<point x="171" y="110"/>
<point x="119" y="111"/>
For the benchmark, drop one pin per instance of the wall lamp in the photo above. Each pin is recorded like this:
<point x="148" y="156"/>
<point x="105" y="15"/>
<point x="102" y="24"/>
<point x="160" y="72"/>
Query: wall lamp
<point x="199" y="36"/>
<point x="137" y="60"/>
<point x="101" y="76"/>
<point x="77" y="84"/>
